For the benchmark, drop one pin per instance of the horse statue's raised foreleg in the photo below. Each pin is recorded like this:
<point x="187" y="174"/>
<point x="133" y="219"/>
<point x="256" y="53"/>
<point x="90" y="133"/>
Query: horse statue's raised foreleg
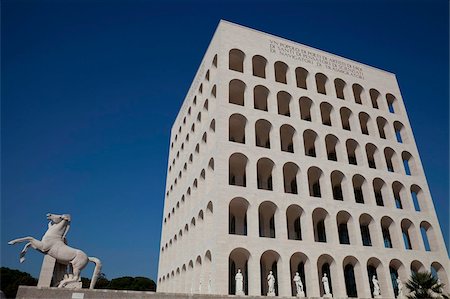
<point x="23" y="252"/>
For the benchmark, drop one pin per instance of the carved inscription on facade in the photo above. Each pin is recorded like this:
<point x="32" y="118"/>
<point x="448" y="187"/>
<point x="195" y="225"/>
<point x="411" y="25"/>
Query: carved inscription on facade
<point x="314" y="58"/>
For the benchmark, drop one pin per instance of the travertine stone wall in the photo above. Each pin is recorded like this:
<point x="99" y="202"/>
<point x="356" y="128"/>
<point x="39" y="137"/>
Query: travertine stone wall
<point x="287" y="158"/>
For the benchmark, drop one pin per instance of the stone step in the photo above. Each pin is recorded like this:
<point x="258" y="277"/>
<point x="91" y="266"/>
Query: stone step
<point x="27" y="292"/>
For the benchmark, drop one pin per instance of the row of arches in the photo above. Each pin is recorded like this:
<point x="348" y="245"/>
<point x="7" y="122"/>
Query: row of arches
<point x="355" y="188"/>
<point x="326" y="114"/>
<point x="239" y="128"/>
<point x="203" y="142"/>
<point x="201" y="219"/>
<point x="209" y="76"/>
<point x="195" y="185"/>
<point x="196" y="122"/>
<point x="191" y="277"/>
<point x="321" y="226"/>
<point x="323" y="85"/>
<point x="347" y="277"/>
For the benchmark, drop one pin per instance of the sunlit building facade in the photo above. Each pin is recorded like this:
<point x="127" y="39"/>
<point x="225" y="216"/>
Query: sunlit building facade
<point x="289" y="159"/>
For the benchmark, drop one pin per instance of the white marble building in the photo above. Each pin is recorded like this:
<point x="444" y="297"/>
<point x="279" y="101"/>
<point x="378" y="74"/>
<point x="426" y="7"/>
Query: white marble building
<point x="291" y="159"/>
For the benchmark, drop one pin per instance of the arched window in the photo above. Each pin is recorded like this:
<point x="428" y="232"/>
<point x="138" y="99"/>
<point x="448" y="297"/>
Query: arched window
<point x="358" y="93"/>
<point x="314" y="179"/>
<point x="262" y="133"/>
<point x="236" y="92"/>
<point x="382" y="125"/>
<point x="214" y="61"/>
<point x="372" y="155"/>
<point x="353" y="151"/>
<point x="387" y="229"/>
<point x="283" y="101"/>
<point x="409" y="164"/>
<point x="237" y="216"/>
<point x="438" y="271"/>
<point x="429" y="238"/>
<point x="391" y="159"/>
<point x="290" y="171"/>
<point x="238" y="260"/>
<point x="398" y="189"/>
<point x="287" y="133"/>
<point x="400" y="132"/>
<point x="300" y="264"/>
<point x="325" y="110"/>
<point x="366" y="224"/>
<point x="301" y="75"/>
<point x="397" y="270"/>
<point x="320" y="220"/>
<point x="326" y="266"/>
<point x="375" y="268"/>
<point x="264" y="174"/>
<point x="409" y="235"/>
<point x="236" y="129"/>
<point x="339" y="85"/>
<point x="379" y="189"/>
<point x="346" y="114"/>
<point x="374" y="96"/>
<point x="309" y="140"/>
<point x="352" y="280"/>
<point x="259" y="66"/>
<point x="359" y="188"/>
<point x="267" y="211"/>
<point x="294" y="222"/>
<point x="392" y="103"/>
<point x="337" y="179"/>
<point x="331" y="143"/>
<point x="343" y="221"/>
<point x="321" y="83"/>
<point x="237" y="169"/>
<point x="418" y="198"/>
<point x="236" y="60"/>
<point x="305" y="108"/>
<point x="269" y="262"/>
<point x="364" y="121"/>
<point x="281" y="69"/>
<point x="260" y="95"/>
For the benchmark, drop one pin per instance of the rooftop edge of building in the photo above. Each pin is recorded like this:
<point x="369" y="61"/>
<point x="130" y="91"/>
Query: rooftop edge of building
<point x="223" y="22"/>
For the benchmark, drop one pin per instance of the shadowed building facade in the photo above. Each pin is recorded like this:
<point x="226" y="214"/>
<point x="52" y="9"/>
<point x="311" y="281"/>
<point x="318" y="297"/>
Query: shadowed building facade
<point x="289" y="159"/>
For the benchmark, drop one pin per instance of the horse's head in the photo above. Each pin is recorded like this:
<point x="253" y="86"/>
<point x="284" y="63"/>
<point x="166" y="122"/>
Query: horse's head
<point x="55" y="218"/>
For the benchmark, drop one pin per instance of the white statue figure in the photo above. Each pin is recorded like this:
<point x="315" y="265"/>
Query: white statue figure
<point x="326" y="286"/>
<point x="400" y="289"/>
<point x="299" y="285"/>
<point x="271" y="283"/>
<point x="376" y="287"/>
<point x="239" y="283"/>
<point x="54" y="244"/>
<point x="439" y="282"/>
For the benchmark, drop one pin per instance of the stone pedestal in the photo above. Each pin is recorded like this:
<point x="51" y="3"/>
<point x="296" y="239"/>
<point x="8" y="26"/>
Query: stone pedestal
<point x="51" y="272"/>
<point x="301" y="295"/>
<point x="271" y="294"/>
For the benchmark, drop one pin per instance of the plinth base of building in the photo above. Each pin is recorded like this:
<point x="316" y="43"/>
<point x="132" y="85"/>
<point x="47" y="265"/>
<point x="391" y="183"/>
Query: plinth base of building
<point x="26" y="292"/>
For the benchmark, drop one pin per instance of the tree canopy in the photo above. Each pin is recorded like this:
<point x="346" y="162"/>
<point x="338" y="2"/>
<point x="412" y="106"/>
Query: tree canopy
<point x="11" y="279"/>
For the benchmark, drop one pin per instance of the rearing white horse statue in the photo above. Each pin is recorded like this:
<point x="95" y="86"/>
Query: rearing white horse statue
<point x="54" y="244"/>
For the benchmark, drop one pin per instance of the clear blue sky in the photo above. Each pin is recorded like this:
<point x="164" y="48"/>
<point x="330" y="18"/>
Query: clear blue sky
<point x="90" y="90"/>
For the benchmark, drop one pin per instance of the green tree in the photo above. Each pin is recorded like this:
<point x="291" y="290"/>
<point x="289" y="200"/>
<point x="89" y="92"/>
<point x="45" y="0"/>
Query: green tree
<point x="11" y="279"/>
<point x="132" y="283"/>
<point x="425" y="285"/>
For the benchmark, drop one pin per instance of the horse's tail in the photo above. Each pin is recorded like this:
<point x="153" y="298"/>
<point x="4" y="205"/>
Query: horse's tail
<point x="97" y="270"/>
